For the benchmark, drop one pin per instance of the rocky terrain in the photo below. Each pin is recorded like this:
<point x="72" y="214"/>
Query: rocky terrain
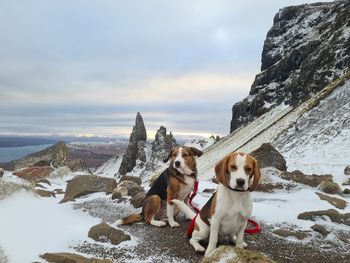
<point x="307" y="47"/>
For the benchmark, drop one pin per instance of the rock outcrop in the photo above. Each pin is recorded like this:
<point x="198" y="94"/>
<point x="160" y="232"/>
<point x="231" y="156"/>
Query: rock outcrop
<point x="334" y="215"/>
<point x="161" y="147"/>
<point x="55" y="155"/>
<point x="77" y="165"/>
<point x="87" y="184"/>
<point x="135" y="148"/>
<point x="347" y="170"/>
<point x="306" y="48"/>
<point x="268" y="156"/>
<point x="34" y="173"/>
<point x="311" y="180"/>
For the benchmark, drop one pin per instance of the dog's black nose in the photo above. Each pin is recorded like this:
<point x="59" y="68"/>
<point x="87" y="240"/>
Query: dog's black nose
<point x="177" y="163"/>
<point x="240" y="182"/>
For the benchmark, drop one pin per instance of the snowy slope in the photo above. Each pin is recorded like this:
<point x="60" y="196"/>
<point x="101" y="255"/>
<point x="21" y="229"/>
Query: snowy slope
<point x="109" y="168"/>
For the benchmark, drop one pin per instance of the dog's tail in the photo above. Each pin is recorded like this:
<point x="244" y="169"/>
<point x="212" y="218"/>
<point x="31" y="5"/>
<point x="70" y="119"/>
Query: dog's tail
<point x="129" y="219"/>
<point x="184" y="208"/>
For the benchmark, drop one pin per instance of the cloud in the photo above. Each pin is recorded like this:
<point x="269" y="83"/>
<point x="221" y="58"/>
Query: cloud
<point x="71" y="66"/>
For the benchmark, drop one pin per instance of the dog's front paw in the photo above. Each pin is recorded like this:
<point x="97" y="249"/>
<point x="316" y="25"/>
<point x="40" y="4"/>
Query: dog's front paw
<point x="174" y="224"/>
<point x="241" y="245"/>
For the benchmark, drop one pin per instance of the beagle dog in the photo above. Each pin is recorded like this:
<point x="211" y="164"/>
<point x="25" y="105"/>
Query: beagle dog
<point x="227" y="211"/>
<point x="176" y="182"/>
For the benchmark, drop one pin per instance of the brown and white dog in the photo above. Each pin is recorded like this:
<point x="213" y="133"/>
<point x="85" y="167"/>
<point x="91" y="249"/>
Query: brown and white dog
<point x="176" y="182"/>
<point x="227" y="211"/>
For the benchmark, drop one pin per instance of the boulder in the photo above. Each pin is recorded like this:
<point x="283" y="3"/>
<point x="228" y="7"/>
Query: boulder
<point x="71" y="258"/>
<point x="231" y="254"/>
<point x="55" y="155"/>
<point x="104" y="233"/>
<point x="346" y="191"/>
<point x="1" y="172"/>
<point x="290" y="233"/>
<point x="45" y="193"/>
<point x="311" y="180"/>
<point x="43" y="181"/>
<point x="337" y="202"/>
<point x="133" y="188"/>
<point x="134" y="179"/>
<point x="334" y="215"/>
<point x="268" y="156"/>
<point x="87" y="184"/>
<point x="330" y="187"/>
<point x="78" y="165"/>
<point x="320" y="229"/>
<point x="119" y="192"/>
<point x="137" y="137"/>
<point x="137" y="200"/>
<point x="347" y="170"/>
<point x="34" y="173"/>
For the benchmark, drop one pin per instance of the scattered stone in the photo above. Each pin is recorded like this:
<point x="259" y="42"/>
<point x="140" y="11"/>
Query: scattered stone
<point x="71" y="258"/>
<point x="56" y="156"/>
<point x="78" y="165"/>
<point x="330" y="187"/>
<point x="347" y="182"/>
<point x="214" y="180"/>
<point x="344" y="239"/>
<point x="44" y="193"/>
<point x="134" y="179"/>
<point x="230" y="254"/>
<point x="104" y="233"/>
<point x="34" y="173"/>
<point x="347" y="170"/>
<point x="44" y="181"/>
<point x="58" y="191"/>
<point x="1" y="172"/>
<point x="320" y="229"/>
<point x="87" y="184"/>
<point x="137" y="137"/>
<point x="337" y="202"/>
<point x="119" y="192"/>
<point x="268" y="156"/>
<point x="311" y="180"/>
<point x="133" y="188"/>
<point x="61" y="172"/>
<point x="137" y="200"/>
<point x="334" y="215"/>
<point x="346" y="191"/>
<point x="40" y="186"/>
<point x="290" y="233"/>
<point x="268" y="187"/>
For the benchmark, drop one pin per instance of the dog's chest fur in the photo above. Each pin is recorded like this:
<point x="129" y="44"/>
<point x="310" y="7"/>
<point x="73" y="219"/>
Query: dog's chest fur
<point x="233" y="210"/>
<point x="185" y="190"/>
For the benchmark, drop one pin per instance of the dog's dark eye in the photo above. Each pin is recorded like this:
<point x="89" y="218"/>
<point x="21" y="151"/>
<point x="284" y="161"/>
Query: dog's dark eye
<point x="185" y="155"/>
<point x="248" y="170"/>
<point x="234" y="167"/>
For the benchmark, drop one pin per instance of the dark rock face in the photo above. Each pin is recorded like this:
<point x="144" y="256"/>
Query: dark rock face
<point x="347" y="170"/>
<point x="56" y="155"/>
<point x="104" y="233"/>
<point x="268" y="156"/>
<point x="306" y="48"/>
<point x="161" y="147"/>
<point x="87" y="184"/>
<point x="137" y="139"/>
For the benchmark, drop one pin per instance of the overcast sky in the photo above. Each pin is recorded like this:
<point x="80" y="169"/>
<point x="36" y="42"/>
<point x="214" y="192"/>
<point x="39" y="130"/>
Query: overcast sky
<point x="88" y="66"/>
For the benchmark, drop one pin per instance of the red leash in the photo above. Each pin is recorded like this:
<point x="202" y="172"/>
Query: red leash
<point x="253" y="230"/>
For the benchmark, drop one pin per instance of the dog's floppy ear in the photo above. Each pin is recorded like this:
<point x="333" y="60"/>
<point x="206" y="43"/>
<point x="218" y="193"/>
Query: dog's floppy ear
<point x="196" y="152"/>
<point x="256" y="175"/>
<point x="169" y="155"/>
<point x="221" y="170"/>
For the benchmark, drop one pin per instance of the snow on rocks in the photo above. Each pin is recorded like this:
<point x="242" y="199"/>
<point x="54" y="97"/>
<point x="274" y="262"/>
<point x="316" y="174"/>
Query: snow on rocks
<point x="71" y="258"/>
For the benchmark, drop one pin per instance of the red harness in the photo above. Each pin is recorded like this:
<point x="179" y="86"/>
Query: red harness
<point x="253" y="230"/>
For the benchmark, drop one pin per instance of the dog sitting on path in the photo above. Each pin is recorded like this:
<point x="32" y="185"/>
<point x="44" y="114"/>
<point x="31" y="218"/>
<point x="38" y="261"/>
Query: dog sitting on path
<point x="227" y="211"/>
<point x="176" y="182"/>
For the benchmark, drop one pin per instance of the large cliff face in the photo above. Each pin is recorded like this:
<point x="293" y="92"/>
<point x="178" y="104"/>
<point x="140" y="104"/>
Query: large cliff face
<point x="307" y="47"/>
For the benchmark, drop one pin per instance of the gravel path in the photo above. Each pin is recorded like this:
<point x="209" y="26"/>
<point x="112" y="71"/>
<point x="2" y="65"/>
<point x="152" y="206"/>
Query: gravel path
<point x="152" y="244"/>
